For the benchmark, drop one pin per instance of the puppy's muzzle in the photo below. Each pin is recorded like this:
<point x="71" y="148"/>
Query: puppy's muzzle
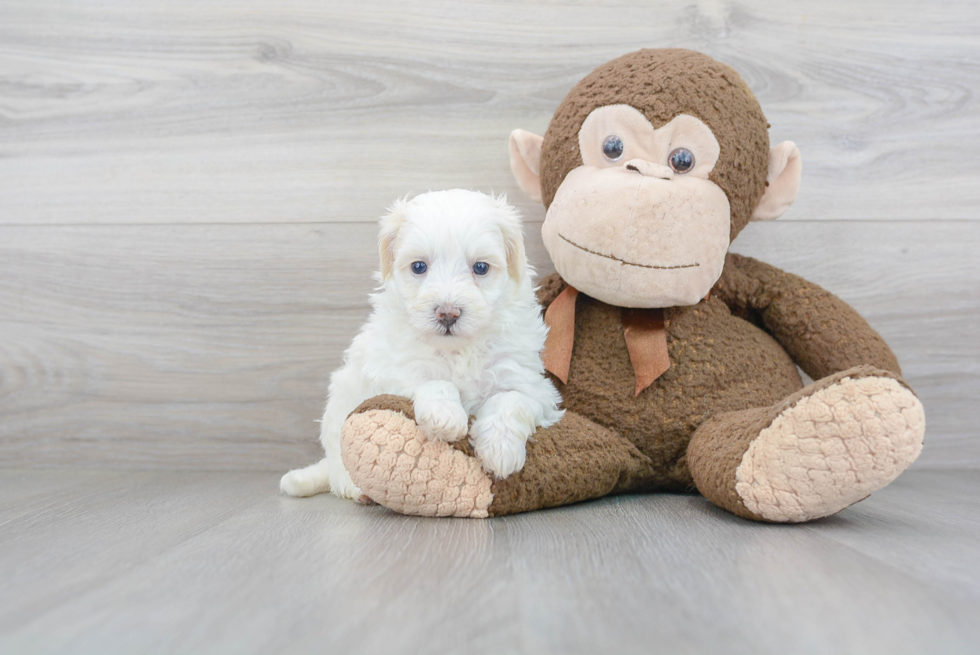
<point x="447" y="315"/>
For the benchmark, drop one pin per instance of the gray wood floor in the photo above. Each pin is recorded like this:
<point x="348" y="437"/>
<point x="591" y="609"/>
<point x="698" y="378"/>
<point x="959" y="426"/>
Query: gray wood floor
<point x="217" y="562"/>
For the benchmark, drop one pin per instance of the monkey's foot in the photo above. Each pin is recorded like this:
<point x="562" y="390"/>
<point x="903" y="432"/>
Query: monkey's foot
<point x="823" y="449"/>
<point x="392" y="462"/>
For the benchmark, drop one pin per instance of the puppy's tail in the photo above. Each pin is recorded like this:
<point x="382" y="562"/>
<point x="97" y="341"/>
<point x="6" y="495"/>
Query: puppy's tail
<point x="309" y="481"/>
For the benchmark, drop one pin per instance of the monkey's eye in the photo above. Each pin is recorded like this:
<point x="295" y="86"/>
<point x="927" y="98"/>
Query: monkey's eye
<point x="481" y="268"/>
<point x="612" y="148"/>
<point x="419" y="267"/>
<point x="681" y="160"/>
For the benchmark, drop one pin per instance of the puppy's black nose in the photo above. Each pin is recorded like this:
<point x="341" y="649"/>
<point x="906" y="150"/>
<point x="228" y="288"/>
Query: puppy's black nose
<point x="448" y="315"/>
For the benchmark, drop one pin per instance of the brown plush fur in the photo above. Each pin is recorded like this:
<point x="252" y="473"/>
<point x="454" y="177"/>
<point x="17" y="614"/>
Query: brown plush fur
<point x="569" y="462"/>
<point x="720" y="362"/>
<point x="729" y="378"/>
<point x="662" y="84"/>
<point x="821" y="332"/>
<point x="387" y="401"/>
<point x="733" y="356"/>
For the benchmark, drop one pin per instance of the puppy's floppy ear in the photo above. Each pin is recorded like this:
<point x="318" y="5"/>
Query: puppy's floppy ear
<point x="390" y="224"/>
<point x="512" y="230"/>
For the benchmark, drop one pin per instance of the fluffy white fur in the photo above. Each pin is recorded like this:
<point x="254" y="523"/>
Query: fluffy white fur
<point x="486" y="364"/>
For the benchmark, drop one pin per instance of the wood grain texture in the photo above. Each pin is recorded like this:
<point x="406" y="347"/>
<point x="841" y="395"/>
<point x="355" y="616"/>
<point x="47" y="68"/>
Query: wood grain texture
<point x="189" y="112"/>
<point x="204" y="562"/>
<point x="210" y="346"/>
<point x="189" y="191"/>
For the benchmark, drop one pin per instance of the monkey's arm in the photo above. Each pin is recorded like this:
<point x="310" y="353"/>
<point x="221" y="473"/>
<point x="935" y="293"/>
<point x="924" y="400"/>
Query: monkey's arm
<point x="821" y="332"/>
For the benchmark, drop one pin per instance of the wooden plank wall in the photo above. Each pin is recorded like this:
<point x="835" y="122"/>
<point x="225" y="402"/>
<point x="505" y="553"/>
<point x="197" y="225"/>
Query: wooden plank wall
<point x="188" y="192"/>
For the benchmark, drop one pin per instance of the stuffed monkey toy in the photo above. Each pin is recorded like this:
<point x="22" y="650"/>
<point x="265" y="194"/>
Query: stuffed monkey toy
<point x="676" y="359"/>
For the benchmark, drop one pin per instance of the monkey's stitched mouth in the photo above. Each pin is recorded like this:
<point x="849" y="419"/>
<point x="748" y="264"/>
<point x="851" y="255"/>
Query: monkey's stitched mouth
<point x="623" y="261"/>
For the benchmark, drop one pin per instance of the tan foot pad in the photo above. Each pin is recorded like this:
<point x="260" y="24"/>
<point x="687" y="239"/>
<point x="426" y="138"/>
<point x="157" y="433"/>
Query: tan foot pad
<point x="831" y="449"/>
<point x="396" y="466"/>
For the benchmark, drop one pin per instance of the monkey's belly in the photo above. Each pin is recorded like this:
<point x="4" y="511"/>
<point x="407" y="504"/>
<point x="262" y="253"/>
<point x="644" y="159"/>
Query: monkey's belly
<point x="719" y="363"/>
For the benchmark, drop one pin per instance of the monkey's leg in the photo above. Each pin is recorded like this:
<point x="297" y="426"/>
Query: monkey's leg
<point x="391" y="461"/>
<point x="820" y="450"/>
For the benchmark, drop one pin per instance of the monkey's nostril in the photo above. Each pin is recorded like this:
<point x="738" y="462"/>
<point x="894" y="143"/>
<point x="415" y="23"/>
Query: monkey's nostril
<point x="649" y="169"/>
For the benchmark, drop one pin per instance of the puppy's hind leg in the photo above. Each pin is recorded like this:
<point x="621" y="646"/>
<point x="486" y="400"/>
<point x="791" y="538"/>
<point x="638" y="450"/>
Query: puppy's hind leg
<point x="329" y="474"/>
<point x="309" y="481"/>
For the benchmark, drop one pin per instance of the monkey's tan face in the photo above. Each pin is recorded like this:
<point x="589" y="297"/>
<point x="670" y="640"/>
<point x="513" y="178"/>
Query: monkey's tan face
<point x="639" y="224"/>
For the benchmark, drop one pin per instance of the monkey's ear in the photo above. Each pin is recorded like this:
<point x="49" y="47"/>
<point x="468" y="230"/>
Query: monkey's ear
<point x="785" y="170"/>
<point x="525" y="161"/>
<point x="390" y="224"/>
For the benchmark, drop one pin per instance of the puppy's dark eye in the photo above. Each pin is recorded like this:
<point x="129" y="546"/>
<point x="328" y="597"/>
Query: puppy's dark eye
<point x="681" y="160"/>
<point x="419" y="267"/>
<point x="481" y="268"/>
<point x="612" y="148"/>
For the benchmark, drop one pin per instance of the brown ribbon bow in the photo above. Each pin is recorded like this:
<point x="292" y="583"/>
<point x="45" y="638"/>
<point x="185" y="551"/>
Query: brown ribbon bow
<point x="646" y="340"/>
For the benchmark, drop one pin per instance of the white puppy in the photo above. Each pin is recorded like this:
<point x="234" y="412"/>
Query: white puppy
<point x="455" y="327"/>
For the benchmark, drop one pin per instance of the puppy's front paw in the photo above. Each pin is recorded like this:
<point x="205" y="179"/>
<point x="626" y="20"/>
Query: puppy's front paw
<point x="441" y="420"/>
<point x="500" y="447"/>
